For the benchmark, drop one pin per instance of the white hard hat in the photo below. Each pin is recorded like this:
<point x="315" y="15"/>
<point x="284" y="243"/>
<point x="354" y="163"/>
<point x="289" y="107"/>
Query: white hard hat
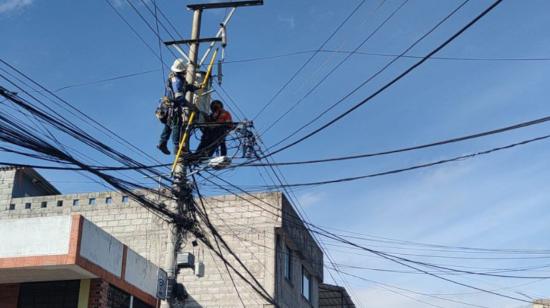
<point x="179" y="66"/>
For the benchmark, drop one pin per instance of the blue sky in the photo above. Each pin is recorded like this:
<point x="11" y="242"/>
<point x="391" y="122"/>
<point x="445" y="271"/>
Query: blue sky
<point x="496" y="201"/>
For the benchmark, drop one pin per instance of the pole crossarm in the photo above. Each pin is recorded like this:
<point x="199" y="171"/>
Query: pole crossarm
<point x="201" y="40"/>
<point x="222" y="5"/>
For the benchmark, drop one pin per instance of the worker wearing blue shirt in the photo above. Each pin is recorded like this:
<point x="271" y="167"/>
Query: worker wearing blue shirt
<point x="176" y="88"/>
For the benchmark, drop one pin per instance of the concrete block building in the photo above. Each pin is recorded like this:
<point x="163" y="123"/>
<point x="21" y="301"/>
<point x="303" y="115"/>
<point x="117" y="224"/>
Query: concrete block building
<point x="541" y="303"/>
<point x="67" y="261"/>
<point x="269" y="246"/>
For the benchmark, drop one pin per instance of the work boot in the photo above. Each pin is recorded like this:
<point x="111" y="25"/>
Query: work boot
<point x="163" y="148"/>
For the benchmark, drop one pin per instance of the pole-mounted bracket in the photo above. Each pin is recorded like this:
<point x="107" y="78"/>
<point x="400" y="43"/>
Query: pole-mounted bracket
<point x="221" y="5"/>
<point x="201" y="40"/>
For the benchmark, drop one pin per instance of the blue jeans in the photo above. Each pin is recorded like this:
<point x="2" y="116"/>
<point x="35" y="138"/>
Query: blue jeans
<point x="172" y="127"/>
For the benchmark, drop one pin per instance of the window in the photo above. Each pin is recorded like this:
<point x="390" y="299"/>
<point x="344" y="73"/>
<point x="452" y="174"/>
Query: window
<point x="59" y="203"/>
<point x="12" y="207"/>
<point x="124" y="199"/>
<point x="91" y="201"/>
<point x="76" y="202"/>
<point x="44" y="204"/>
<point x="108" y="200"/>
<point x="49" y="294"/>
<point x="287" y="255"/>
<point x="306" y="284"/>
<point x="28" y="206"/>
<point x="117" y="298"/>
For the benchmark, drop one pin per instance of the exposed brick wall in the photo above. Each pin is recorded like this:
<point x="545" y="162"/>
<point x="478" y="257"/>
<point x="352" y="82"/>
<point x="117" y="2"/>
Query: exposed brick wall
<point x="7" y="177"/>
<point x="9" y="293"/>
<point x="99" y="291"/>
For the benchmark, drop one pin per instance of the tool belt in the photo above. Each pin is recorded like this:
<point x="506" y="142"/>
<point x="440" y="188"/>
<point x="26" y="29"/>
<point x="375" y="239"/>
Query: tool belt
<point x="164" y="110"/>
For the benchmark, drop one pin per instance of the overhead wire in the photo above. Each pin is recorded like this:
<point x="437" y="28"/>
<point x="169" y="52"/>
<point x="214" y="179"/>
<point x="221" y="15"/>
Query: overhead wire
<point x="335" y="68"/>
<point x="419" y="166"/>
<point x="392" y="55"/>
<point x="315" y="229"/>
<point x="390" y="83"/>
<point x="81" y="115"/>
<point x="140" y="37"/>
<point x="148" y="24"/>
<point x="303" y="66"/>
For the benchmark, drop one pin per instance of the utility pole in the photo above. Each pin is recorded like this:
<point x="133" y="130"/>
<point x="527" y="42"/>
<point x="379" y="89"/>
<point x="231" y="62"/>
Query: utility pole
<point x="181" y="186"/>
<point x="182" y="189"/>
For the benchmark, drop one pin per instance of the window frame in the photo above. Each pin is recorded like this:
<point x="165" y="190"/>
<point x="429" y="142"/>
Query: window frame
<point x="307" y="275"/>
<point x="287" y="263"/>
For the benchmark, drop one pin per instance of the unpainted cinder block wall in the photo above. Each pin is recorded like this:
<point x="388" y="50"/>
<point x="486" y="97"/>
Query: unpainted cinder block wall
<point x="250" y="227"/>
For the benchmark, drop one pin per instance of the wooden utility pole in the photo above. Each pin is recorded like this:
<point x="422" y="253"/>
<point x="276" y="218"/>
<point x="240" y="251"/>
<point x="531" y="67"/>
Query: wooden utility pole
<point x="181" y="187"/>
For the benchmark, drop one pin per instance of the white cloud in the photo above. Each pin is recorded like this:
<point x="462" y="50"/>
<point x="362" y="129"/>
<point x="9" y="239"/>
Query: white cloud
<point x="7" y="6"/>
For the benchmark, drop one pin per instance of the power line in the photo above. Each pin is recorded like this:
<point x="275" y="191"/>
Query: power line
<point x="148" y="24"/>
<point x="386" y="54"/>
<point x="341" y="158"/>
<point x="406" y="263"/>
<point x="119" y="77"/>
<point x="79" y="114"/>
<point x="393" y="81"/>
<point x="301" y="68"/>
<point x="370" y="78"/>
<point x="418" y="147"/>
<point x="335" y="68"/>
<point x="135" y="32"/>
<point x="420" y="166"/>
<point x="411" y="291"/>
<point x="398" y="260"/>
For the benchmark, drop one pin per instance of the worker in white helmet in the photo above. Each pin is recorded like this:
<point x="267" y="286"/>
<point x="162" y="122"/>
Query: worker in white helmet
<point x="176" y="88"/>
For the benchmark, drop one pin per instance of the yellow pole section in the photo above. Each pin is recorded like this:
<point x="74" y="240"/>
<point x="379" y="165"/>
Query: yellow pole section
<point x="209" y="71"/>
<point x="183" y="140"/>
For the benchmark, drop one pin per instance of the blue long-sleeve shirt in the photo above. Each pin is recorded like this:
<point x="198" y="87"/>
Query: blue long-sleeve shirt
<point x="177" y="86"/>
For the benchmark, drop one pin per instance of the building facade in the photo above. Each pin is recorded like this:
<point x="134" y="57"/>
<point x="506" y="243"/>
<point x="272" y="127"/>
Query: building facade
<point x="266" y="247"/>
<point x="67" y="261"/>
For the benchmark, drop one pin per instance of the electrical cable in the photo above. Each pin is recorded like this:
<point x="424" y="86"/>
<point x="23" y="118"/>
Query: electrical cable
<point x="135" y="31"/>
<point x="419" y="166"/>
<point x="393" y="81"/>
<point x="148" y="25"/>
<point x="391" y="55"/>
<point x="302" y="67"/>
<point x="335" y="68"/>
